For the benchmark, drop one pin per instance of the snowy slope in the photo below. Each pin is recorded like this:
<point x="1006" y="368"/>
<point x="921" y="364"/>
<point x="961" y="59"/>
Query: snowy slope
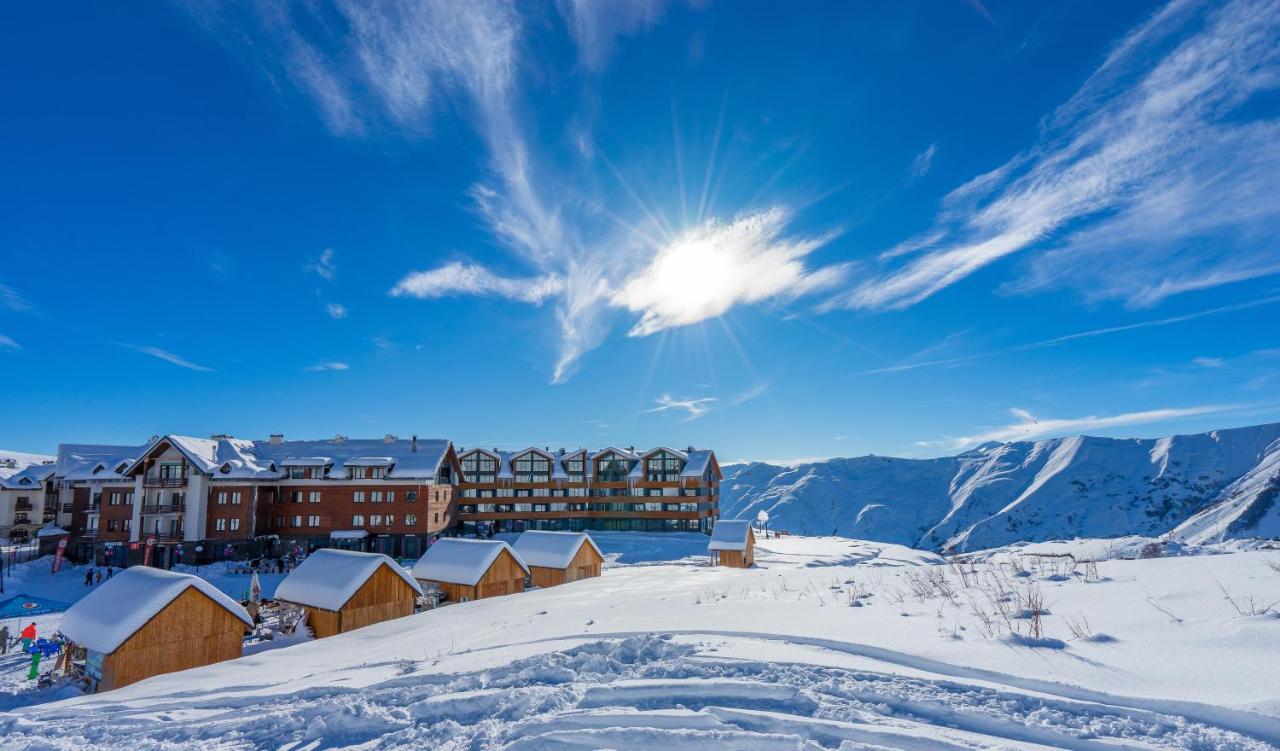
<point x="822" y="647"/>
<point x="997" y="494"/>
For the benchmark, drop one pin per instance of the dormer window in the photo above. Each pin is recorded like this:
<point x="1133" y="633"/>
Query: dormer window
<point x="612" y="467"/>
<point x="479" y="467"/>
<point x="662" y="466"/>
<point x="576" y="468"/>
<point x="225" y="469"/>
<point x="532" y="467"/>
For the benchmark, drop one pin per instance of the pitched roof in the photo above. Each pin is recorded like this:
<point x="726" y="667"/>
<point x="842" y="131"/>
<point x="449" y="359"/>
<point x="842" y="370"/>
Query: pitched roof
<point x="27" y="477"/>
<point x="329" y="577"/>
<point x="730" y="534"/>
<point x="86" y="461"/>
<point x="240" y="459"/>
<point x="123" y="604"/>
<point x="551" y="549"/>
<point x="457" y="561"/>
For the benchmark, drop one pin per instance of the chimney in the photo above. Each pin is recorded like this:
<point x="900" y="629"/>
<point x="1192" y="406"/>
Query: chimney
<point x="220" y="437"/>
<point x="388" y="438"/>
<point x="413" y="444"/>
<point x="339" y="438"/>
<point x="277" y="439"/>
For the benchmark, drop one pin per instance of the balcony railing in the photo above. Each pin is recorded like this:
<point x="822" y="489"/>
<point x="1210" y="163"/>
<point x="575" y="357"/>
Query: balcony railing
<point x="21" y="519"/>
<point x="164" y="508"/>
<point x="23" y="506"/>
<point x="93" y="508"/>
<point x="165" y="536"/>
<point x="163" y="482"/>
<point x="67" y="508"/>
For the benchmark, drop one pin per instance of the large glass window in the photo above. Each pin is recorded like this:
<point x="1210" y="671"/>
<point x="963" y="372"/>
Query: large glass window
<point x="662" y="466"/>
<point x="612" y="467"/>
<point x="478" y="466"/>
<point x="532" y="467"/>
<point x="575" y="468"/>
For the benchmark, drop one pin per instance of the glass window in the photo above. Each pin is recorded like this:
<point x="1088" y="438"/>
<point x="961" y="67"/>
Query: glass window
<point x="375" y="520"/>
<point x="358" y="497"/>
<point x="235" y="498"/>
<point x="478" y="466"/>
<point x="612" y="467"/>
<point x="410" y="520"/>
<point x="411" y="495"/>
<point x="314" y="496"/>
<point x="235" y="524"/>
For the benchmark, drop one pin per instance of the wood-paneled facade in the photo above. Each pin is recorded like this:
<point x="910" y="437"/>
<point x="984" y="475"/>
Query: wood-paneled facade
<point x="586" y="564"/>
<point x="505" y="576"/>
<point x="191" y="631"/>
<point x="383" y="596"/>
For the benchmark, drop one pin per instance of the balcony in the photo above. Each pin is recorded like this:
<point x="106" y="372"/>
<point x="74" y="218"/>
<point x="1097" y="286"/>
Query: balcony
<point x="67" y="508"/>
<point x="23" y="506"/>
<point x="163" y="482"/>
<point x="93" y="508"/>
<point x="21" y="519"/>
<point x="169" y="535"/>
<point x="164" y="508"/>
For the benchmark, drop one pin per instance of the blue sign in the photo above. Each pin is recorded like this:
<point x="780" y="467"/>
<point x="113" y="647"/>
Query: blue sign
<point x="21" y="606"/>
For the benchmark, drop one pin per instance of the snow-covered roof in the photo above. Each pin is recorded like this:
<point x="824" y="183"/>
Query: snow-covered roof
<point x="230" y="458"/>
<point x="696" y="462"/>
<point x="106" y="617"/>
<point x="348" y="534"/>
<point x="730" y="534"/>
<point x="83" y="461"/>
<point x="457" y="561"/>
<point x="51" y="530"/>
<point x="26" y="478"/>
<point x="328" y="578"/>
<point x="552" y="549"/>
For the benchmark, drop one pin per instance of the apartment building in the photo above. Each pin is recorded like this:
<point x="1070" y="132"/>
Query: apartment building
<point x="26" y="503"/>
<point x="659" y="490"/>
<point x="186" y="499"/>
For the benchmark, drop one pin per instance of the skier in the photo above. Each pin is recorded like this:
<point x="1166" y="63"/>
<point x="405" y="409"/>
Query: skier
<point x="110" y="573"/>
<point x="28" y="636"/>
<point x="88" y="578"/>
<point x="4" y="640"/>
<point x="97" y="577"/>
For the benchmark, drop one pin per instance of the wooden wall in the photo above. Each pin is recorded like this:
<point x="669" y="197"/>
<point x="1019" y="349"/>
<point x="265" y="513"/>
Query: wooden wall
<point x="504" y="577"/>
<point x="585" y="565"/>
<point x="740" y="558"/>
<point x="191" y="631"/>
<point x="383" y="597"/>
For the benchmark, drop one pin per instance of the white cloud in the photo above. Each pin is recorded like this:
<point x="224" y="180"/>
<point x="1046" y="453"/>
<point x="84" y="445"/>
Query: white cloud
<point x="923" y="162"/>
<point x="323" y="265"/>
<point x="694" y="407"/>
<point x="1209" y="362"/>
<point x="325" y="365"/>
<point x="170" y="357"/>
<point x="336" y="310"/>
<point x="469" y="279"/>
<point x="7" y="342"/>
<point x="596" y="25"/>
<point x="11" y="299"/>
<point x="1029" y="427"/>
<point x="1149" y="150"/>
<point x="709" y="269"/>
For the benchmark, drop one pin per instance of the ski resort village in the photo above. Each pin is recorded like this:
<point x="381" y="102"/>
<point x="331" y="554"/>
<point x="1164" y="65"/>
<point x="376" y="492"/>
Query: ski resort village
<point x="640" y="375"/>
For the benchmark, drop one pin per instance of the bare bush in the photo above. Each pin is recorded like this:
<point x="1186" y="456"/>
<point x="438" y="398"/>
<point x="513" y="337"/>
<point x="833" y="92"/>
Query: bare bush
<point x="1247" y="605"/>
<point x="1079" y="626"/>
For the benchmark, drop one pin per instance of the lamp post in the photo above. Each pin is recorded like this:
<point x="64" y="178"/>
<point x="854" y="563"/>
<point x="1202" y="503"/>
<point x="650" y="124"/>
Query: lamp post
<point x="762" y="519"/>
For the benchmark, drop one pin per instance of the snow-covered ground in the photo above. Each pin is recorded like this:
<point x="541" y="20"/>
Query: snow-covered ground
<point x="828" y="644"/>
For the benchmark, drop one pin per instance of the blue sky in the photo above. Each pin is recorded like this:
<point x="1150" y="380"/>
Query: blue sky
<point x="897" y="228"/>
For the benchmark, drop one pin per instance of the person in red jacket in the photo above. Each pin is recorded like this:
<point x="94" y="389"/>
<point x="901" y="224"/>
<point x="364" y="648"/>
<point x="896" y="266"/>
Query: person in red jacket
<point x="28" y="636"/>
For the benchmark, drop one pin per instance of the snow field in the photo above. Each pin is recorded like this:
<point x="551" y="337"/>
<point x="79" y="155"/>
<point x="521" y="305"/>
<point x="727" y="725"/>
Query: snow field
<point x="828" y="644"/>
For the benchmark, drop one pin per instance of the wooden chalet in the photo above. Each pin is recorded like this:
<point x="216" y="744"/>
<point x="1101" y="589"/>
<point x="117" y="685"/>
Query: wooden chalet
<point x="471" y="569"/>
<point x="343" y="590"/>
<point x="146" y="621"/>
<point x="558" y="557"/>
<point x="733" y="543"/>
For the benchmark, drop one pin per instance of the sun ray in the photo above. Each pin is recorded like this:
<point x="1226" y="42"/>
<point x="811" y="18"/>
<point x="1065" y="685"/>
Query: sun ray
<point x="711" y="160"/>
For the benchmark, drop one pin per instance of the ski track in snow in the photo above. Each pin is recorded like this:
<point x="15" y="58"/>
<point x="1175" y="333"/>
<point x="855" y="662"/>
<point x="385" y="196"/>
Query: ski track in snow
<point x="666" y="691"/>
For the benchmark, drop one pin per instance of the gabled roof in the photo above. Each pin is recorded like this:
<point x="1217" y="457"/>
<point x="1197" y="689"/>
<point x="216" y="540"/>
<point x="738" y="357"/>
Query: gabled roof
<point x="730" y="534"/>
<point x="242" y="459"/>
<point x="77" y="461"/>
<point x="697" y="462"/>
<point x="27" y="477"/>
<point x="457" y="561"/>
<point x="123" y="604"/>
<point x="552" y="549"/>
<point x="329" y="577"/>
<point x="621" y="452"/>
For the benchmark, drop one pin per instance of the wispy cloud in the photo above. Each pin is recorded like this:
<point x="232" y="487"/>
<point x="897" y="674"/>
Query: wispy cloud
<point x="596" y="26"/>
<point x="1149" y="151"/>
<point x="695" y="408"/>
<point x="1027" y="427"/>
<point x="7" y="342"/>
<point x="912" y="364"/>
<point x="326" y="365"/>
<point x="336" y="310"/>
<point x="712" y="268"/>
<point x="470" y="279"/>
<point x="12" y="300"/>
<point x="1209" y="362"/>
<point x="169" y="357"/>
<point x="323" y="265"/>
<point x="923" y="162"/>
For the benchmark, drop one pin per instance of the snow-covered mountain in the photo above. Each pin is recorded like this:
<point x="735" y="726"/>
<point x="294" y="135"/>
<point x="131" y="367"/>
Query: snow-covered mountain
<point x="1202" y="487"/>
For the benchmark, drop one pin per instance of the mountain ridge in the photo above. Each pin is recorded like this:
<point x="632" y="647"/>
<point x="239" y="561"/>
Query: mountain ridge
<point x="1200" y="487"/>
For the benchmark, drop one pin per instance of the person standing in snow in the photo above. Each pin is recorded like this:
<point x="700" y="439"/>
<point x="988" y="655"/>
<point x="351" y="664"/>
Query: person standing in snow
<point x="88" y="578"/>
<point x="109" y="572"/>
<point x="98" y="577"/>
<point x="28" y="636"/>
<point x="4" y="640"/>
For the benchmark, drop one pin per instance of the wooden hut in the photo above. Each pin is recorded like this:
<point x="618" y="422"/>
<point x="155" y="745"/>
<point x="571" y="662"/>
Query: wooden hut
<point x="733" y="543"/>
<point x="145" y="621"/>
<point x="343" y="590"/>
<point x="471" y="569"/>
<point x="558" y="557"/>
